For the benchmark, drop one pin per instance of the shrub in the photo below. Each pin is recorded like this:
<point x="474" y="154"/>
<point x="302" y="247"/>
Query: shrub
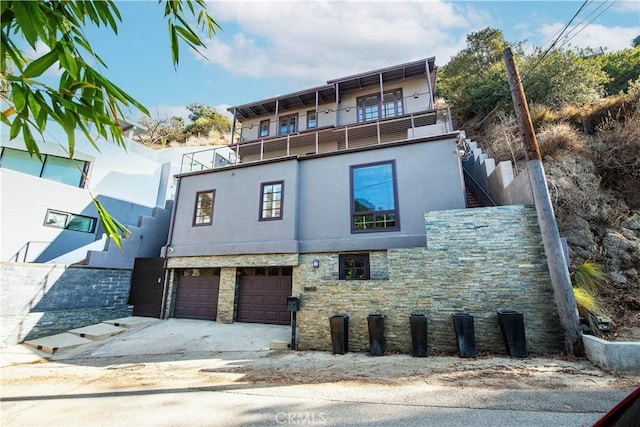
<point x="554" y="137"/>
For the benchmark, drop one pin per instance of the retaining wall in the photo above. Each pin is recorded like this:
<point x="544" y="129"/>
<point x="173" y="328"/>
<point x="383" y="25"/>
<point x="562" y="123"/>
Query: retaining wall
<point x="476" y="261"/>
<point x="45" y="299"/>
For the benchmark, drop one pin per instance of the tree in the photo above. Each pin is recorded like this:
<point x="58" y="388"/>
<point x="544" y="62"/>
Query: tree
<point x="471" y="73"/>
<point x="84" y="98"/>
<point x="623" y="67"/>
<point x="636" y="42"/>
<point x="559" y="77"/>
<point x="204" y="118"/>
<point x="161" y="131"/>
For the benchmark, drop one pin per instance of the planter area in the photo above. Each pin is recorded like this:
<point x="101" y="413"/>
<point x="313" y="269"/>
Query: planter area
<point x="612" y="356"/>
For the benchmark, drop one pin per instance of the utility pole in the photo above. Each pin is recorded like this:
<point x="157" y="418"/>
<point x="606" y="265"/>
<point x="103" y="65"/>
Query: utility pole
<point x="560" y="280"/>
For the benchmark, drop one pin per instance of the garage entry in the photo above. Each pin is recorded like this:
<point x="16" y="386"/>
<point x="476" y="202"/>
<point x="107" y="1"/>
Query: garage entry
<point x="262" y="295"/>
<point x="197" y="293"/>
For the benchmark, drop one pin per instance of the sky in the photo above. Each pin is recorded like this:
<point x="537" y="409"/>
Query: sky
<point x="271" y="48"/>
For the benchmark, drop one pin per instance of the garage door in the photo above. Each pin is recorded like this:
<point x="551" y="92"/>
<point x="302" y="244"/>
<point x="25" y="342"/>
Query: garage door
<point x="262" y="295"/>
<point x="197" y="293"/>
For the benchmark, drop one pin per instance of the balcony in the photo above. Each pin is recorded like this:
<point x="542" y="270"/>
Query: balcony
<point x="324" y="140"/>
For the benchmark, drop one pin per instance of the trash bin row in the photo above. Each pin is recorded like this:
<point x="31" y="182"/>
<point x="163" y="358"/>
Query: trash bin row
<point x="511" y="327"/>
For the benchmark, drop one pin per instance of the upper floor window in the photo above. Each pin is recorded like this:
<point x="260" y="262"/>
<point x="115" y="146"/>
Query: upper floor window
<point x="312" y="119"/>
<point x="69" y="221"/>
<point x="374" y="202"/>
<point x="203" y="212"/>
<point x="370" y="107"/>
<point x="288" y="124"/>
<point x="54" y="168"/>
<point x="353" y="267"/>
<point x="271" y="200"/>
<point x="264" y="128"/>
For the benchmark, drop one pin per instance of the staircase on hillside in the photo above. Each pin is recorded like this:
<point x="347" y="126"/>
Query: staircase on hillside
<point x="471" y="198"/>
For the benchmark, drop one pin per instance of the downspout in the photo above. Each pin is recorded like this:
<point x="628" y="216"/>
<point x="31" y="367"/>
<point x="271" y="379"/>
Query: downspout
<point x="165" y="285"/>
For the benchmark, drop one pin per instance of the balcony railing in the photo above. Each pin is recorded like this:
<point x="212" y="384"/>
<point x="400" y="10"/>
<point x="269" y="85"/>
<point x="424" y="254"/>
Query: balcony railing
<point x="325" y="140"/>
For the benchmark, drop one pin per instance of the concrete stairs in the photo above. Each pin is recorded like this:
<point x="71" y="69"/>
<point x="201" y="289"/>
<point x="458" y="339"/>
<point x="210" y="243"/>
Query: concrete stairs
<point x="471" y="198"/>
<point x="54" y="344"/>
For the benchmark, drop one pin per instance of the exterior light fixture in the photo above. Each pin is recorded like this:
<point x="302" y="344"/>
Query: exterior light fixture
<point x="326" y="111"/>
<point x="347" y="109"/>
<point x="416" y="95"/>
<point x="316" y="263"/>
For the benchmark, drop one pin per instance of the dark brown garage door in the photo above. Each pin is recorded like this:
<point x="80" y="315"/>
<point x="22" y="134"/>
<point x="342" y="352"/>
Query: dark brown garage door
<point x="262" y="295"/>
<point x="197" y="293"/>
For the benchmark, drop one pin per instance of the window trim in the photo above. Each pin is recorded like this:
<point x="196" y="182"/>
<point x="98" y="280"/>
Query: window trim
<point x="288" y="117"/>
<point x="196" y="208"/>
<point x="342" y="270"/>
<point x="263" y="129"/>
<point x="395" y="211"/>
<point x="83" y="165"/>
<point x="315" y="119"/>
<point x="397" y="100"/>
<point x="261" y="210"/>
<point x="69" y="217"/>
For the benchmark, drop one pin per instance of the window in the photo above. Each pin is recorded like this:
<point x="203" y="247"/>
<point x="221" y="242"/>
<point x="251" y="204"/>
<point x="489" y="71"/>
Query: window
<point x="288" y="124"/>
<point x="69" y="221"/>
<point x="271" y="200"/>
<point x="264" y="128"/>
<point x="312" y="119"/>
<point x="354" y="267"/>
<point x="203" y="213"/>
<point x="374" y="203"/>
<point x="54" y="168"/>
<point x="370" y="107"/>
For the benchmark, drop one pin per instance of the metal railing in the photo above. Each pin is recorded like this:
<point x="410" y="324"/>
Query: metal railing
<point x="326" y="140"/>
<point x="207" y="159"/>
<point x="23" y="253"/>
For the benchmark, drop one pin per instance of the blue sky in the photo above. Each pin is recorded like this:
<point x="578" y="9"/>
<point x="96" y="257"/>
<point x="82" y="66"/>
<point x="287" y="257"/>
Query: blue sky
<point x="269" y="48"/>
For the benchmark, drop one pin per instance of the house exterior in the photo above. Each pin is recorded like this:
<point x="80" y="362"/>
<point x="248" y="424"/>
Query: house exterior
<point x="47" y="214"/>
<point x="334" y="196"/>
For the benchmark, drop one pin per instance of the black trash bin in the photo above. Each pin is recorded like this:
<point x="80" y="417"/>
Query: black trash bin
<point x="339" y="325"/>
<point x="418" y="324"/>
<point x="512" y="327"/>
<point x="375" y="322"/>
<point x="465" y="334"/>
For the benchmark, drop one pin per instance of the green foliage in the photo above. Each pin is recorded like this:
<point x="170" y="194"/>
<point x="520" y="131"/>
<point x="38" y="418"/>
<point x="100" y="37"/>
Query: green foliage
<point x="204" y="119"/>
<point x="561" y="78"/>
<point x="83" y="98"/>
<point x="589" y="276"/>
<point x="475" y="73"/>
<point x="587" y="280"/>
<point x="622" y="67"/>
<point x="636" y="42"/>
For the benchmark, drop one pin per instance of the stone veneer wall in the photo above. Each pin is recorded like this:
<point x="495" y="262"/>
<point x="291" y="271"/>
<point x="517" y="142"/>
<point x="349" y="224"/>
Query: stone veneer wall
<point x="46" y="299"/>
<point x="476" y="261"/>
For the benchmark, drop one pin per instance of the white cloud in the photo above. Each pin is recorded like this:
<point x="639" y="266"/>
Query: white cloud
<point x="311" y="42"/>
<point x="593" y="36"/>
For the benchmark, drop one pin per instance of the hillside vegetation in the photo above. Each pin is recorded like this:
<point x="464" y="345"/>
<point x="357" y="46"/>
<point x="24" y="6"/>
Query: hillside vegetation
<point x="590" y="143"/>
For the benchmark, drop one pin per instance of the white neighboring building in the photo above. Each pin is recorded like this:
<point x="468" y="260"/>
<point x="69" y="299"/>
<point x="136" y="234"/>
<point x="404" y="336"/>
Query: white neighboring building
<point x="46" y="210"/>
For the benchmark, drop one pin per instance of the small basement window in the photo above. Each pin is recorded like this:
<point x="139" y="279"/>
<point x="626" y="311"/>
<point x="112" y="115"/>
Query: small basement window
<point x="354" y="267"/>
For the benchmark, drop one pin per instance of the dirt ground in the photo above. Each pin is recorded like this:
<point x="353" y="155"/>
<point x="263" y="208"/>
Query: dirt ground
<point x="290" y="368"/>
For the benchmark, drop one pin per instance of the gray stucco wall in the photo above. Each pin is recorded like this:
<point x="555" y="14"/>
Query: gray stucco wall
<point x="45" y="299"/>
<point x="428" y="179"/>
<point x="236" y="227"/>
<point x="317" y="215"/>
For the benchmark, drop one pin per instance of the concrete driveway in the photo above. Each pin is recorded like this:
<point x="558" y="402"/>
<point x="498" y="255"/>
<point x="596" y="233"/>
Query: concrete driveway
<point x="180" y="336"/>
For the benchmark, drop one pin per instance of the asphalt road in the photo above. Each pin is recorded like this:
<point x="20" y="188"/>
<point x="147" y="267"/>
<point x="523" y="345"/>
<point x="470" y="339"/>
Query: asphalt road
<point x="178" y="373"/>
